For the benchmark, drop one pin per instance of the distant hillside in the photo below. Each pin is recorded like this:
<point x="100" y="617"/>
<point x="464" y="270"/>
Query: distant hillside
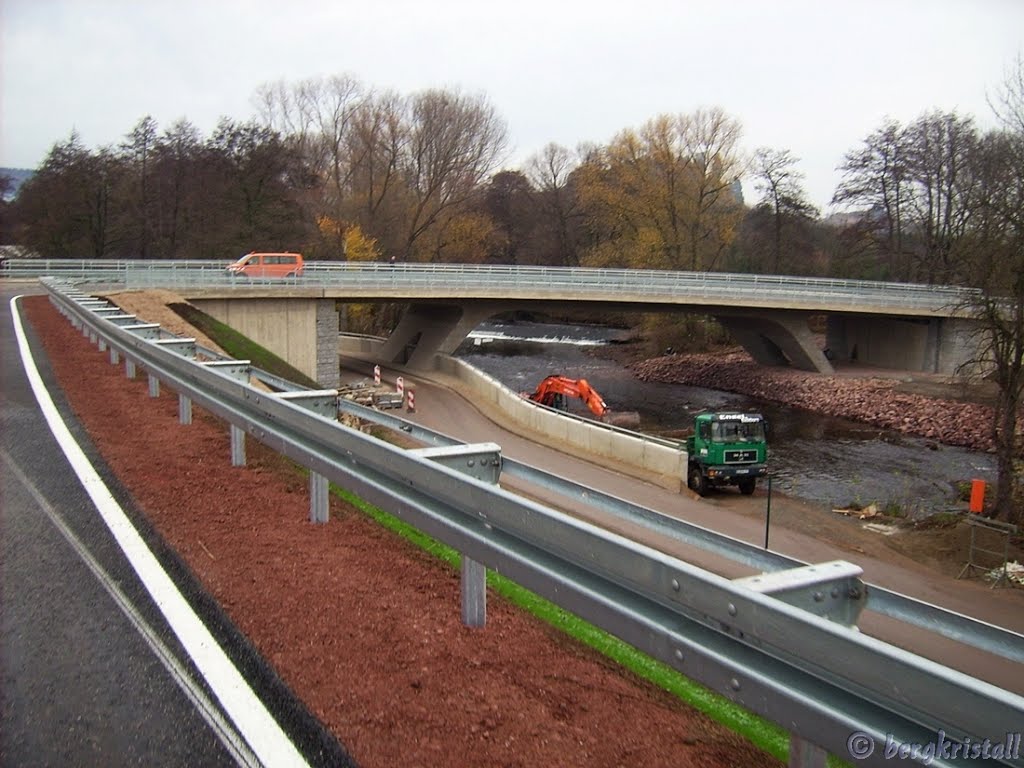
<point x="18" y="176"/>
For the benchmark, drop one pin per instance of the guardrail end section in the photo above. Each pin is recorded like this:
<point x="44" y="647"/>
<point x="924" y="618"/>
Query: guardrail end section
<point x="479" y="460"/>
<point x="832" y="590"/>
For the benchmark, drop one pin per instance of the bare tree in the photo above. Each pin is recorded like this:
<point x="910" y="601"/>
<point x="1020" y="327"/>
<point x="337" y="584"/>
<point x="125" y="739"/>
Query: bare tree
<point x="1008" y="102"/>
<point x="316" y="117"/>
<point x="376" y="146"/>
<point x="939" y="147"/>
<point x="780" y="186"/>
<point x="996" y="266"/>
<point x="916" y="184"/>
<point x="876" y="177"/>
<point x="454" y="142"/>
<point x="550" y="171"/>
<point x="711" y="139"/>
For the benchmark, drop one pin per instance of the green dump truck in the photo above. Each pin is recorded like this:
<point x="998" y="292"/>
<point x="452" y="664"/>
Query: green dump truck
<point x="727" y="448"/>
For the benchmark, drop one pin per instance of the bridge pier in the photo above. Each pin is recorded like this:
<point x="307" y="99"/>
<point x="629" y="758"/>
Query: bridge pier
<point x="778" y="338"/>
<point x="426" y="329"/>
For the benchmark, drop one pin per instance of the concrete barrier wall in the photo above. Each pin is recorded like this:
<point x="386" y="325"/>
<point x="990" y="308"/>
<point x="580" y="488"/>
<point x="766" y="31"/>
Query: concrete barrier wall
<point x="661" y="463"/>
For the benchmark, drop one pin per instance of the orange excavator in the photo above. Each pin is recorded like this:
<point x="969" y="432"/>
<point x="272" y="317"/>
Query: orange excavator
<point x="553" y="391"/>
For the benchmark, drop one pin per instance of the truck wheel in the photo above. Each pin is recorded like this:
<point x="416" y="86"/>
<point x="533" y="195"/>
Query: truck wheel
<point x="697" y="482"/>
<point x="747" y="485"/>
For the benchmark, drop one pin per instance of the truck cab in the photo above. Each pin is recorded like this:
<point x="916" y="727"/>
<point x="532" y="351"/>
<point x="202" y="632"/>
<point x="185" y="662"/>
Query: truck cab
<point x="727" y="448"/>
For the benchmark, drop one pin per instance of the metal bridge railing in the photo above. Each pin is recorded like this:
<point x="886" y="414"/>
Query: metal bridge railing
<point x="497" y="281"/>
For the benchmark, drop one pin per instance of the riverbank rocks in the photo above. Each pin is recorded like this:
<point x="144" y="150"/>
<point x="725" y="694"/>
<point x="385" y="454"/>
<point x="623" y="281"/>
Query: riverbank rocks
<point x="871" y="400"/>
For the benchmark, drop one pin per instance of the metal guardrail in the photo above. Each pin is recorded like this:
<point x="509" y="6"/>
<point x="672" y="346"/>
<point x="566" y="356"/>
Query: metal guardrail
<point x="496" y="281"/>
<point x="965" y="629"/>
<point x="825" y="682"/>
<point x="977" y="634"/>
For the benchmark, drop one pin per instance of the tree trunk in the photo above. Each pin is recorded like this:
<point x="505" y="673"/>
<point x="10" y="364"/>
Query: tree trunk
<point x="1006" y="449"/>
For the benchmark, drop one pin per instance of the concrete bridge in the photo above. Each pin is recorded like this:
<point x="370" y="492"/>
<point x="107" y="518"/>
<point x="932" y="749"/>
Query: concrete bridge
<point x="893" y="325"/>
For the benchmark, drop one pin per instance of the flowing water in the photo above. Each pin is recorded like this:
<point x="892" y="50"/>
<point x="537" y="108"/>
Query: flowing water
<point x="819" y="458"/>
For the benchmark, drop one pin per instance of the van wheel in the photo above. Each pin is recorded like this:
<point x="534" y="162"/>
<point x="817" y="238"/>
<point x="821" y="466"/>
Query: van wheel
<point x="698" y="484"/>
<point x="747" y="485"/>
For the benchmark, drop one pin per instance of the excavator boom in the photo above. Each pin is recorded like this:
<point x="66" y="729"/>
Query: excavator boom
<point x="552" y="389"/>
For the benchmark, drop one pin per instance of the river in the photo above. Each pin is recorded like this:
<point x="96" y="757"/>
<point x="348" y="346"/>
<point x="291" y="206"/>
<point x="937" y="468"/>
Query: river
<point x="835" y="462"/>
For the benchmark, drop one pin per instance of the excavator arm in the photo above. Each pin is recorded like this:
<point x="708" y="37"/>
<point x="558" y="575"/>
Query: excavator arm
<point x="548" y="391"/>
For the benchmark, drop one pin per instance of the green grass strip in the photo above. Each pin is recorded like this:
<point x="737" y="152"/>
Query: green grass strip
<point x="761" y="733"/>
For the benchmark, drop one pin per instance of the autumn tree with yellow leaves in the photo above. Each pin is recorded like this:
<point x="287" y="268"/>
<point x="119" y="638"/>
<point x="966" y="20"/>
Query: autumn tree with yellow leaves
<point x="664" y="196"/>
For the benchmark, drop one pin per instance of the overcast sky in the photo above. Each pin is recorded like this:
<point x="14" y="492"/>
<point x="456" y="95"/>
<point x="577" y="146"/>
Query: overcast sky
<point x="815" y="77"/>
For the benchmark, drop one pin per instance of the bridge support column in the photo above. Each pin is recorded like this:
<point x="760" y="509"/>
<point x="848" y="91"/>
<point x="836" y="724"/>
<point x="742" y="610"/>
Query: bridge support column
<point x="426" y="329"/>
<point x="778" y="338"/>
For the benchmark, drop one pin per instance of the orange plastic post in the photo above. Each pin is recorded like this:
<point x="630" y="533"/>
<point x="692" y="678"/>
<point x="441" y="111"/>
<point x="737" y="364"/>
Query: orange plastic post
<point x="977" y="496"/>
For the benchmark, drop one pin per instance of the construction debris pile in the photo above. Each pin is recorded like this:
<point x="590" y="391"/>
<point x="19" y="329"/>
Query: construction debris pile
<point x="1014" y="573"/>
<point x="372" y="395"/>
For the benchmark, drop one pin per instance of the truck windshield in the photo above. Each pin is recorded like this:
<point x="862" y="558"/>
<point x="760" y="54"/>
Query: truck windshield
<point x="737" y="432"/>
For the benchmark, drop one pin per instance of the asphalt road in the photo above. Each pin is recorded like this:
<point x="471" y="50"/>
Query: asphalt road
<point x="93" y="673"/>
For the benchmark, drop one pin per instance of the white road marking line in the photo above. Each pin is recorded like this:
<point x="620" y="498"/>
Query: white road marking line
<point x="226" y="733"/>
<point x="250" y="716"/>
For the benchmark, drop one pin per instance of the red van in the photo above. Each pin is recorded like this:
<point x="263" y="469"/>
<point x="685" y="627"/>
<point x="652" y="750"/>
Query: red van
<point x="267" y="265"/>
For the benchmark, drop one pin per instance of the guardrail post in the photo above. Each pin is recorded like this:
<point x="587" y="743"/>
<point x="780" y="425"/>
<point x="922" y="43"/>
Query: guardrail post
<point x="482" y="461"/>
<point x="129" y="368"/>
<point x="184" y="410"/>
<point x="474" y="592"/>
<point x="319" y="501"/>
<point x="115" y="356"/>
<point x="804" y="754"/>
<point x="154" y="386"/>
<point x="237" y="446"/>
<point x="832" y="590"/>
<point x="325" y="403"/>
